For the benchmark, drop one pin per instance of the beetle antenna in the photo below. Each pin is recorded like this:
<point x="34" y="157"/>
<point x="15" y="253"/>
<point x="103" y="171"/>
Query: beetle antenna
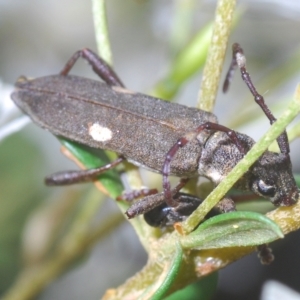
<point x="239" y="59"/>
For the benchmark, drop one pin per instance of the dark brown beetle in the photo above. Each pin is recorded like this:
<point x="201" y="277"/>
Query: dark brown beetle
<point x="164" y="137"/>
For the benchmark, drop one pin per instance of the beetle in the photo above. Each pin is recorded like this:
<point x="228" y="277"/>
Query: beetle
<point x="166" y="138"/>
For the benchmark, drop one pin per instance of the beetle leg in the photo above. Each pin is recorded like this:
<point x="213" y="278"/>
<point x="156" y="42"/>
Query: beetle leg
<point x="264" y="253"/>
<point x="135" y="194"/>
<point x="226" y="205"/>
<point x="150" y="202"/>
<point x="145" y="205"/>
<point x="164" y="215"/>
<point x="100" y="67"/>
<point x="71" y="177"/>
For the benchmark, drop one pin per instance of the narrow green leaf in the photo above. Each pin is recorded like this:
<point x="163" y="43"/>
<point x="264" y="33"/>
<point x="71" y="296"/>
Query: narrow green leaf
<point x="168" y="279"/>
<point x="171" y="275"/>
<point x="189" y="61"/>
<point x="233" y="229"/>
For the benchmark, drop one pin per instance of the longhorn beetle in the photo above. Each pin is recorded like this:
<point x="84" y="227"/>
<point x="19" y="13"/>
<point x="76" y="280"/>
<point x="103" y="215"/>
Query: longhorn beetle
<point x="164" y="137"/>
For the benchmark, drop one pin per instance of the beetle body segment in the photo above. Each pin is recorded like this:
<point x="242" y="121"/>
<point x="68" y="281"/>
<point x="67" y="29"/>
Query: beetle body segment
<point x="139" y="127"/>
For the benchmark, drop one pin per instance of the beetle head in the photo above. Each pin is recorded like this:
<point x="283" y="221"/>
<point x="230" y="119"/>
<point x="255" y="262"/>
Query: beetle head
<point x="272" y="178"/>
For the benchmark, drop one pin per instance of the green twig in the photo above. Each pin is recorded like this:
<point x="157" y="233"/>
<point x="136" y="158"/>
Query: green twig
<point x="101" y="30"/>
<point x="213" y="66"/>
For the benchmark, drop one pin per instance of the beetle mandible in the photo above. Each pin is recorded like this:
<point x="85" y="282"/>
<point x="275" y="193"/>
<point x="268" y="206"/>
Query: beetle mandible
<point x="164" y="137"/>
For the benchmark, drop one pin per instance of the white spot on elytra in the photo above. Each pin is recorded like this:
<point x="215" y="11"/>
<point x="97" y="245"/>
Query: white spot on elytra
<point x="100" y="133"/>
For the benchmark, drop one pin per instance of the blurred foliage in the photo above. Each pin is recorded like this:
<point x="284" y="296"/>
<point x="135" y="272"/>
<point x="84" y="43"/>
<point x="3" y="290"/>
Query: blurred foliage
<point x="20" y="167"/>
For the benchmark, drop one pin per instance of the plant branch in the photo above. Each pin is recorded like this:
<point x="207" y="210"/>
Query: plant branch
<point x="214" y="62"/>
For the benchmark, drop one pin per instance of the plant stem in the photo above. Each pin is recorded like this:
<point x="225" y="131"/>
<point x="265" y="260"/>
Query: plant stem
<point x="214" y="62"/>
<point x="101" y="30"/>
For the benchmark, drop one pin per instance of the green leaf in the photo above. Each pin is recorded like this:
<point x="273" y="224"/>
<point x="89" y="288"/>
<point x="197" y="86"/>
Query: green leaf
<point x="233" y="229"/>
<point x="189" y="61"/>
<point x="203" y="289"/>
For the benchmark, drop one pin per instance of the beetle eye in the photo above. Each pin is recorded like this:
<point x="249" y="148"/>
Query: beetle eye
<point x="265" y="189"/>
